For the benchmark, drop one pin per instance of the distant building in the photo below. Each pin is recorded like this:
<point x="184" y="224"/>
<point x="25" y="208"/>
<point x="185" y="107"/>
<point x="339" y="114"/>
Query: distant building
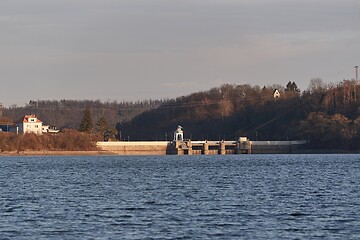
<point x="29" y="124"/>
<point x="6" y="126"/>
<point x="276" y="93"/>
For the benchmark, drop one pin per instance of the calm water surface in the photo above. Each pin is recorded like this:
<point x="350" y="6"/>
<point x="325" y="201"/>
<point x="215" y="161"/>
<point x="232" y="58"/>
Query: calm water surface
<point x="181" y="197"/>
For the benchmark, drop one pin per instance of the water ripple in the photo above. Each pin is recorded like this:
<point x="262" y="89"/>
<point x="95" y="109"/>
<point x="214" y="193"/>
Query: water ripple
<point x="180" y="197"/>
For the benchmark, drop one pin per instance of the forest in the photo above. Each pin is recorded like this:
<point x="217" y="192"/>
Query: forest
<point x="328" y="115"/>
<point x="68" y="113"/>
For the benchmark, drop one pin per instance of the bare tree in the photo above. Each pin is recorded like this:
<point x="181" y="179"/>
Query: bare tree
<point x="316" y="85"/>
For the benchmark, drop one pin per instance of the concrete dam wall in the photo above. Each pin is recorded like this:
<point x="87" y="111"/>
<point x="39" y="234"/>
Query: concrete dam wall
<point x="135" y="148"/>
<point x="200" y="147"/>
<point x="170" y="148"/>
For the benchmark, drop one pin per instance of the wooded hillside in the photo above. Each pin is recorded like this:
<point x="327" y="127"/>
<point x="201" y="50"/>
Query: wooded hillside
<point x="326" y="114"/>
<point x="68" y="113"/>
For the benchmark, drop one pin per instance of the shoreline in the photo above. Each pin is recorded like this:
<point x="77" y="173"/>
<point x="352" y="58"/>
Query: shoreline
<point x="56" y="153"/>
<point x="110" y="153"/>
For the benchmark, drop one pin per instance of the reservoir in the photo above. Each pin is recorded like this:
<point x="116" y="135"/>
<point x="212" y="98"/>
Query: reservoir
<point x="181" y="197"/>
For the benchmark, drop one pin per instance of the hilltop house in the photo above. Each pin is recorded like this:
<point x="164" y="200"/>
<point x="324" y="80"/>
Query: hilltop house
<point x="276" y="93"/>
<point x="29" y="124"/>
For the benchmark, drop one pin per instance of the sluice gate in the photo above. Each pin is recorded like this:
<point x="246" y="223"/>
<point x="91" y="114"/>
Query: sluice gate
<point x="188" y="147"/>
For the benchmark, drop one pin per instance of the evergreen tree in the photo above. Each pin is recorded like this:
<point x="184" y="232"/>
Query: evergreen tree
<point x="103" y="128"/>
<point x="102" y="125"/>
<point x="292" y="87"/>
<point x="110" y="134"/>
<point x="86" y="122"/>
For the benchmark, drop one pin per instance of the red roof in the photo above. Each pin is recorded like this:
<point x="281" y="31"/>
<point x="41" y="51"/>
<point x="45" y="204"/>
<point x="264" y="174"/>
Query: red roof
<point x="25" y="119"/>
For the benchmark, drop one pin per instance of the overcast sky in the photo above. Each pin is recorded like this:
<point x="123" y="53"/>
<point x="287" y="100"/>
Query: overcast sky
<point x="140" y="49"/>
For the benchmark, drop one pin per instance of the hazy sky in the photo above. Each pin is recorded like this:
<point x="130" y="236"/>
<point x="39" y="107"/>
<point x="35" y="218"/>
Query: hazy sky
<point x="139" y="49"/>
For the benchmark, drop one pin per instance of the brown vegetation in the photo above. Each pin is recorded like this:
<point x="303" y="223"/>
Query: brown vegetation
<point x="67" y="140"/>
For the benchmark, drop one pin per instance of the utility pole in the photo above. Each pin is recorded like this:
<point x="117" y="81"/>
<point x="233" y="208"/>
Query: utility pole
<point x="356" y="80"/>
<point x="356" y="73"/>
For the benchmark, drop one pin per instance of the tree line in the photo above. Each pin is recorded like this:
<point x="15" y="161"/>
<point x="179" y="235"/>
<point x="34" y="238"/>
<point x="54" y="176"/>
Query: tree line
<point x="326" y="114"/>
<point x="68" y="113"/>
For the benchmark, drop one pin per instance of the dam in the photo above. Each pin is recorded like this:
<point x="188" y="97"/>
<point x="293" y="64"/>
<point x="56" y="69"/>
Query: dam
<point x="181" y="146"/>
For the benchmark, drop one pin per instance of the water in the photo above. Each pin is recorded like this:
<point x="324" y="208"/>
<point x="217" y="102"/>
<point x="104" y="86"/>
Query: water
<point x="181" y="197"/>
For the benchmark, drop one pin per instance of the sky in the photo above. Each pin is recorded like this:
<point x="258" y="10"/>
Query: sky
<point x="152" y="49"/>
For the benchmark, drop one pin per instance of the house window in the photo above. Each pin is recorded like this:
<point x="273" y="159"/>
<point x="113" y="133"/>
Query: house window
<point x="36" y="126"/>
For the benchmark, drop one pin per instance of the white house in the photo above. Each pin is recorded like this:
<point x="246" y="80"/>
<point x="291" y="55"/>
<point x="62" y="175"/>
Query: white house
<point x="276" y="93"/>
<point x="29" y="124"/>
